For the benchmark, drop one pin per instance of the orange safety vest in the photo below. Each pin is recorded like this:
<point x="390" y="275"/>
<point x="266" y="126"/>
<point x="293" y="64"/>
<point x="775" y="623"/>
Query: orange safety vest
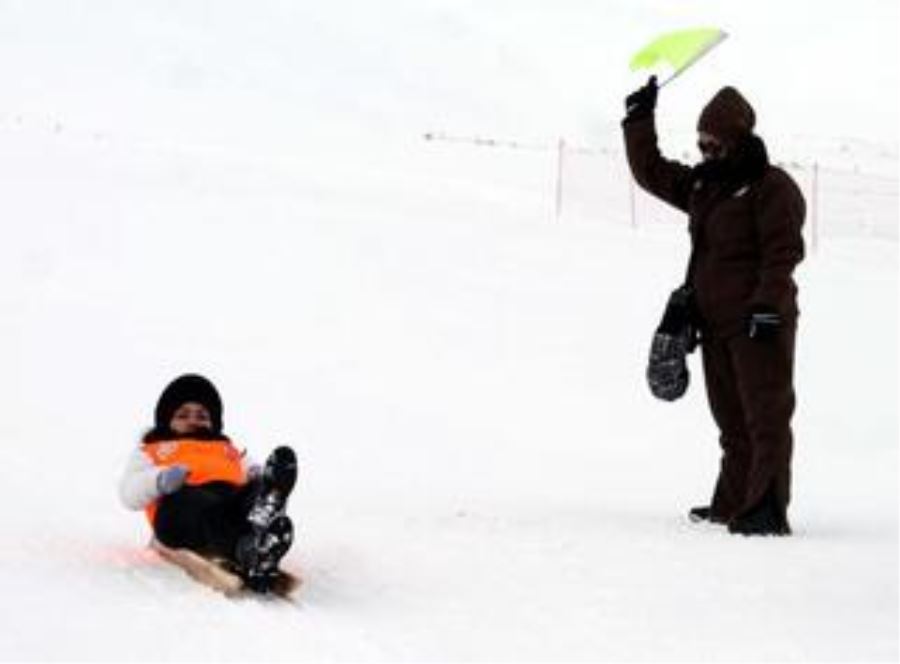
<point x="206" y="461"/>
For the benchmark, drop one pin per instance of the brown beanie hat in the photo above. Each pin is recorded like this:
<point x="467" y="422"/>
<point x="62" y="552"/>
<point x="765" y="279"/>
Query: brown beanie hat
<point x="728" y="116"/>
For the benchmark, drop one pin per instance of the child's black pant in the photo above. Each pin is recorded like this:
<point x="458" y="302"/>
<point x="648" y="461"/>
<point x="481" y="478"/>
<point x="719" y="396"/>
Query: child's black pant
<point x="208" y="518"/>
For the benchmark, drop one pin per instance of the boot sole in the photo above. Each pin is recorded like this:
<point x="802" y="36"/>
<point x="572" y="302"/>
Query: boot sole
<point x="283" y="467"/>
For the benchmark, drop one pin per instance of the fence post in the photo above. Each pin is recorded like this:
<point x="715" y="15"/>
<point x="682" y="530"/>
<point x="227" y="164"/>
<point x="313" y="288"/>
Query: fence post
<point x="631" y="201"/>
<point x="814" y="212"/>
<point x="560" y="154"/>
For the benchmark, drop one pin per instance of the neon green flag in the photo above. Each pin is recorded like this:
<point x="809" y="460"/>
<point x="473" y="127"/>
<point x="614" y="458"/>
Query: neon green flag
<point x="678" y="49"/>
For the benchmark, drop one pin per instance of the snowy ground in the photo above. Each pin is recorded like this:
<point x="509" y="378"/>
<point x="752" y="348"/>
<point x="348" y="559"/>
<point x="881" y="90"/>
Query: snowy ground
<point x="485" y="475"/>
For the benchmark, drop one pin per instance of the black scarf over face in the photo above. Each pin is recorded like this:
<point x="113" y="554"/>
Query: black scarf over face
<point x="744" y="165"/>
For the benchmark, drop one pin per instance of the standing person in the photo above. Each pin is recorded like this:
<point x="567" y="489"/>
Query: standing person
<point x="200" y="493"/>
<point x="745" y="219"/>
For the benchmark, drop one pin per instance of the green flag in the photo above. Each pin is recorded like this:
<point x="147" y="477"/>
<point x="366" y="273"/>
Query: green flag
<point x="678" y="49"/>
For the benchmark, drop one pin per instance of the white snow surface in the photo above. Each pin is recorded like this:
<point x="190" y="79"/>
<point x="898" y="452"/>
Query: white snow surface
<point x="484" y="474"/>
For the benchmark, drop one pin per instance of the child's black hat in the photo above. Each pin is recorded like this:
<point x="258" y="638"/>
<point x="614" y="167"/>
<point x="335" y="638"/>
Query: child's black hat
<point x="189" y="387"/>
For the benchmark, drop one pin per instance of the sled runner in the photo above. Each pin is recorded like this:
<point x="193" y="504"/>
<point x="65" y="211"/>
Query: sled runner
<point x="218" y="574"/>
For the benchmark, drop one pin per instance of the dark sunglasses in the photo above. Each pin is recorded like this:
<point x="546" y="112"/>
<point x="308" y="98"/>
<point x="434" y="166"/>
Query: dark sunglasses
<point x="711" y="148"/>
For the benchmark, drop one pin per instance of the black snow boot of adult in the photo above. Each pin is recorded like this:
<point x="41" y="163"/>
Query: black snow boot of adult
<point x="259" y="553"/>
<point x="704" y="513"/>
<point x="276" y="483"/>
<point x="764" y="519"/>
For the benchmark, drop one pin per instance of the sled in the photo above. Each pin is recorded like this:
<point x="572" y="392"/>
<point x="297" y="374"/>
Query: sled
<point x="218" y="575"/>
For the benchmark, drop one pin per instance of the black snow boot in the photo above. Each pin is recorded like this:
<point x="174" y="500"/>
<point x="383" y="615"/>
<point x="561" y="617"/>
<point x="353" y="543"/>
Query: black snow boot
<point x="704" y="513"/>
<point x="764" y="519"/>
<point x="276" y="483"/>
<point x="259" y="553"/>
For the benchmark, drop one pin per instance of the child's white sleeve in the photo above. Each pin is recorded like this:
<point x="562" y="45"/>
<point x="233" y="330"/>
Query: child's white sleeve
<point x="137" y="488"/>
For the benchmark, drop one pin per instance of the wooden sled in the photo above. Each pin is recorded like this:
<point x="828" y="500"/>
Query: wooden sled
<point x="217" y="573"/>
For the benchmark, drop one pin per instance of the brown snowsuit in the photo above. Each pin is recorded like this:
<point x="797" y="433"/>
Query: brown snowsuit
<point x="745" y="220"/>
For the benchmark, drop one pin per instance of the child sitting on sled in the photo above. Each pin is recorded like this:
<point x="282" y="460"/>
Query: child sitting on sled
<point x="200" y="493"/>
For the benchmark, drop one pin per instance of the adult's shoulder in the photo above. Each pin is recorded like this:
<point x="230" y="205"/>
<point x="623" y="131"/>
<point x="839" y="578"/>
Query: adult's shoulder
<point x="779" y="191"/>
<point x="777" y="178"/>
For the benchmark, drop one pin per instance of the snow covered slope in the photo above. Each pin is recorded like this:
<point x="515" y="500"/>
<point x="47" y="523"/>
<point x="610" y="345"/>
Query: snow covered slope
<point x="484" y="473"/>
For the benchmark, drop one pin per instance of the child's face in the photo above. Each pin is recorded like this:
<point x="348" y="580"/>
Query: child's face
<point x="190" y="417"/>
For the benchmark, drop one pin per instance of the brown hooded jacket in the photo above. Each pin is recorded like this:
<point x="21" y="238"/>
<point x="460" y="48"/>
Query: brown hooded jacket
<point x="745" y="215"/>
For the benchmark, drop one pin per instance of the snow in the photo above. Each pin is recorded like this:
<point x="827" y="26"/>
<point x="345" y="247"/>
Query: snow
<point x="484" y="473"/>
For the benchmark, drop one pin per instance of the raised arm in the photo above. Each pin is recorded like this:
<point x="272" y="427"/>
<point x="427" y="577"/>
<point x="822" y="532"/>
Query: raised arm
<point x="666" y="179"/>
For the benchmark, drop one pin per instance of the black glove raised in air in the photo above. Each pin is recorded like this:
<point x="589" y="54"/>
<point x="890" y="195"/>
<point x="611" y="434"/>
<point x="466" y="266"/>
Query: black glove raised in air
<point x="642" y="102"/>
